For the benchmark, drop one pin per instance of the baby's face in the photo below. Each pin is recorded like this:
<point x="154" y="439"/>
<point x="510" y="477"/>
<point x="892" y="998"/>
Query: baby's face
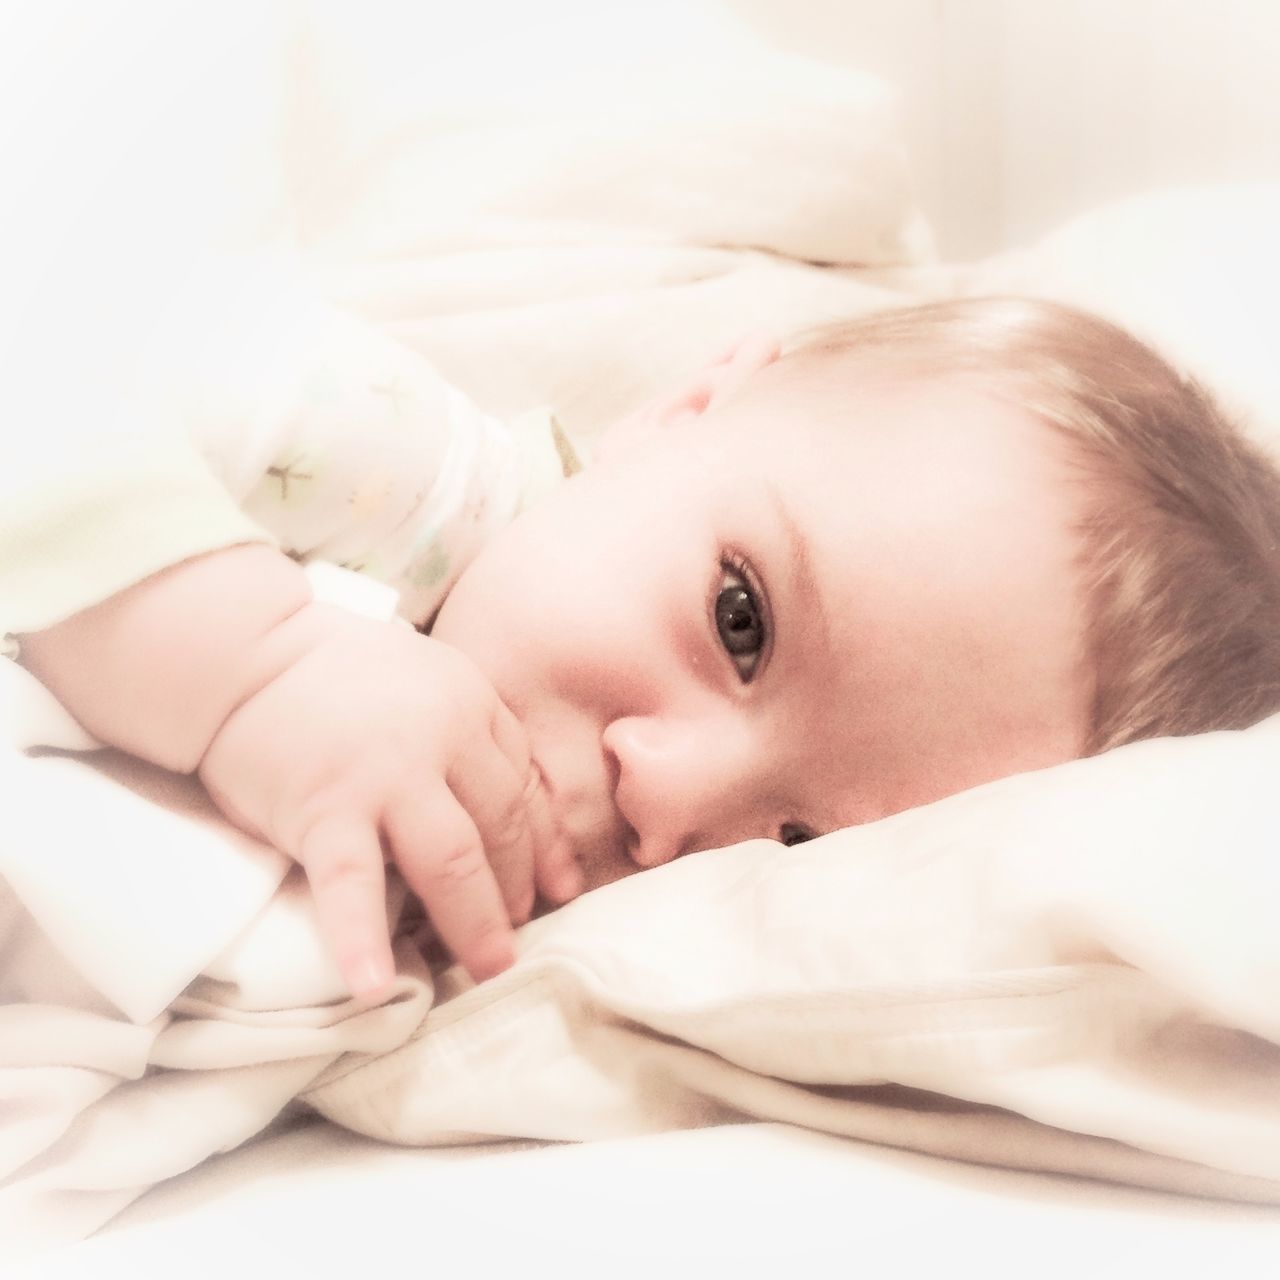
<point x="793" y="612"/>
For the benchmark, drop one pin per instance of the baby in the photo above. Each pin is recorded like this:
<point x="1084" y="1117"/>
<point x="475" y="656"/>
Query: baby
<point x="926" y="549"/>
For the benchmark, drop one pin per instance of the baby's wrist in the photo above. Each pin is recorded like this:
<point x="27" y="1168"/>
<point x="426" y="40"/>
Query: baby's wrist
<point x="308" y="627"/>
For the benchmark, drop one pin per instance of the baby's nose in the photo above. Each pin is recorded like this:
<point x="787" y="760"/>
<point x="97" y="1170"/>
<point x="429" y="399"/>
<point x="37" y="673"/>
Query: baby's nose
<point x="683" y="785"/>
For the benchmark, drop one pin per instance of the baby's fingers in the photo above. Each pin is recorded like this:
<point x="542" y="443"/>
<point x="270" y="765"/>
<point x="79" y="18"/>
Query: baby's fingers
<point x="494" y="794"/>
<point x="555" y="869"/>
<point x="342" y="855"/>
<point x="438" y="850"/>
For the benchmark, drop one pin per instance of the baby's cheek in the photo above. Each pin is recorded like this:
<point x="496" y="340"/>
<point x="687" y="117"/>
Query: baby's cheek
<point x="488" y="625"/>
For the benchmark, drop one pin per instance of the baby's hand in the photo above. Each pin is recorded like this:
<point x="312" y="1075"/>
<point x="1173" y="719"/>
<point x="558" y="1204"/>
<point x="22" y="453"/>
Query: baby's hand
<point x="377" y="739"/>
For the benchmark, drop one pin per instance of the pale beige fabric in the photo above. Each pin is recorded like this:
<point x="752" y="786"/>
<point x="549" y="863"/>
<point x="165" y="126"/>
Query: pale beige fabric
<point x="1089" y="950"/>
<point x="1091" y="947"/>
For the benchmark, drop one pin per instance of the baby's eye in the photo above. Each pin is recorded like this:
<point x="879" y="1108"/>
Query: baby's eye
<point x="740" y="622"/>
<point x="793" y="833"/>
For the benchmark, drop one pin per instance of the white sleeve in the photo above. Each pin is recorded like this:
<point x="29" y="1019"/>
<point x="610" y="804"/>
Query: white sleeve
<point x="148" y="149"/>
<point x="340" y="441"/>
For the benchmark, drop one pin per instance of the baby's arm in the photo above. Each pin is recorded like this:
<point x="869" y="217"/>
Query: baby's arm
<point x="324" y="733"/>
<point x="341" y="444"/>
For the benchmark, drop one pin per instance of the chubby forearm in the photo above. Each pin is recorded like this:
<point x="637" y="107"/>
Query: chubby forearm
<point x="157" y="668"/>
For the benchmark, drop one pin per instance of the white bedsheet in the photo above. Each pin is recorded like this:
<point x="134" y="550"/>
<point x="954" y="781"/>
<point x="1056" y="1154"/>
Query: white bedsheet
<point x="743" y="1200"/>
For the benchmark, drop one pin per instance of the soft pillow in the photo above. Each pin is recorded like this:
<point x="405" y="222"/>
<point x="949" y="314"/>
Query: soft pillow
<point x="1092" y="947"/>
<point x="1195" y="271"/>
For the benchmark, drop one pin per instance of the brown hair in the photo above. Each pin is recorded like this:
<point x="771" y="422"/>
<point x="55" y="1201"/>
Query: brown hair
<point x="1180" y="538"/>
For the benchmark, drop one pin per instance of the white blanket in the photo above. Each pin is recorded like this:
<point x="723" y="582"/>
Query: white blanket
<point x="1072" y="970"/>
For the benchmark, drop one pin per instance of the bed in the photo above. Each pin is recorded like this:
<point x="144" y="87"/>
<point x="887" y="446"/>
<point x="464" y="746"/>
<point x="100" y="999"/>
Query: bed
<point x="750" y="1199"/>
<point x="1009" y="1030"/>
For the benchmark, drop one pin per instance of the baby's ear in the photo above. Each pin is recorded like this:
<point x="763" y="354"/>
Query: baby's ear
<point x="690" y="399"/>
<point x="719" y="379"/>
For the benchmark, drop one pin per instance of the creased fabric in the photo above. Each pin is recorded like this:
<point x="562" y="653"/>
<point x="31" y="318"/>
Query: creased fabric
<point x="1033" y="973"/>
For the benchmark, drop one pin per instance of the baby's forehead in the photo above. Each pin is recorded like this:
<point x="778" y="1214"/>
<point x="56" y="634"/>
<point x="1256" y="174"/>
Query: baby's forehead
<point x="897" y="415"/>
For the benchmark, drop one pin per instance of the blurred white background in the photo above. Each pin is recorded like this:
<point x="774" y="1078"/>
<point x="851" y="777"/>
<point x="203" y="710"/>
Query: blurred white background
<point x="1021" y="113"/>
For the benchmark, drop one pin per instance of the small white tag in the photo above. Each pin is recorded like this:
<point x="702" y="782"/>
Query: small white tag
<point x="350" y="590"/>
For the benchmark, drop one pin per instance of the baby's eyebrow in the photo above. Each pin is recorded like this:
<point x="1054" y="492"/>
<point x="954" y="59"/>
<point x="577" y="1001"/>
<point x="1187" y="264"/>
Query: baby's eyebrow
<point x="802" y="582"/>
